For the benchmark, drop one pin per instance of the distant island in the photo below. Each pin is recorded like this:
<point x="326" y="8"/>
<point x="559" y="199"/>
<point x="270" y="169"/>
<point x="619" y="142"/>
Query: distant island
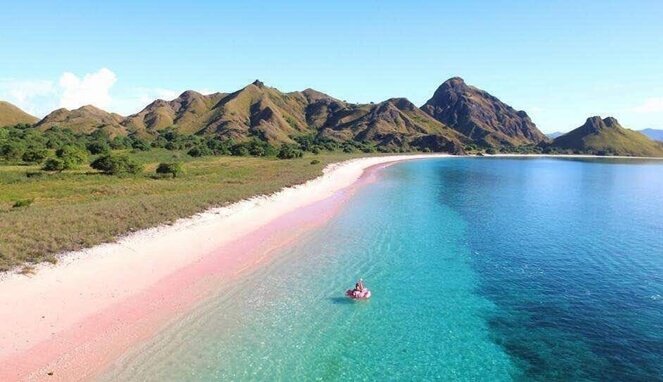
<point x="457" y="119"/>
<point x="554" y="134"/>
<point x="654" y="134"/>
<point x="607" y="137"/>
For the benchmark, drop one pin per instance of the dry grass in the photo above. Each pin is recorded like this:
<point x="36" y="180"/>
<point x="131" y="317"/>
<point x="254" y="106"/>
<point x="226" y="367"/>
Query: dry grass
<point x="80" y="209"/>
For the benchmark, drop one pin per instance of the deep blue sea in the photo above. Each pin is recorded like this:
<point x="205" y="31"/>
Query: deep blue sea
<point x="481" y="269"/>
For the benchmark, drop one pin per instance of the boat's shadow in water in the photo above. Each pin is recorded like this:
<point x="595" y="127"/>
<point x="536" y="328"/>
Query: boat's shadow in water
<point x="340" y="300"/>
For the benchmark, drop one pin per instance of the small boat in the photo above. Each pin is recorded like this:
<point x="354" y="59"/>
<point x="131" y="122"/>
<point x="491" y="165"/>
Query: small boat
<point x="358" y="295"/>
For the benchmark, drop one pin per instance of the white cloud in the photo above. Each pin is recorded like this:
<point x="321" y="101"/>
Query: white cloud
<point x="39" y="97"/>
<point x="651" y="105"/>
<point x="22" y="91"/>
<point x="33" y="96"/>
<point x="91" y="89"/>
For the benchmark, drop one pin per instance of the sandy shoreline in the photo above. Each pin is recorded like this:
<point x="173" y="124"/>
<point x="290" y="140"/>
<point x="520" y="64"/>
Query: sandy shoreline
<point x="73" y="318"/>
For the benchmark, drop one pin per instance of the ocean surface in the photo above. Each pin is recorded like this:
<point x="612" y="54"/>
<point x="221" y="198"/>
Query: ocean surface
<point x="481" y="269"/>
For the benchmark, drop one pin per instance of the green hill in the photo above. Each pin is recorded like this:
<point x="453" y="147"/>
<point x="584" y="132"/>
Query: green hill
<point x="189" y="112"/>
<point x="85" y="119"/>
<point x="607" y="137"/>
<point x="12" y="115"/>
<point x="276" y="117"/>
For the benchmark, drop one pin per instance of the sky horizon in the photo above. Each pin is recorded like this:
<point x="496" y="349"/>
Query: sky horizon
<point x="559" y="61"/>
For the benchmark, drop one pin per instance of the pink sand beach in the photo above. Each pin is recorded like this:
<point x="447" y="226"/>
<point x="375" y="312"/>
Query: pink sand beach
<point x="69" y="321"/>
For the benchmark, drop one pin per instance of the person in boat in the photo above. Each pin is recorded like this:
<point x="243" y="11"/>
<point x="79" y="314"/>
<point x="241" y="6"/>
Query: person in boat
<point x="359" y="291"/>
<point x="359" y="286"/>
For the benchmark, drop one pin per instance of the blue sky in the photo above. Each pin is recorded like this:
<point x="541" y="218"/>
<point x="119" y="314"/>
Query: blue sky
<point x="561" y="61"/>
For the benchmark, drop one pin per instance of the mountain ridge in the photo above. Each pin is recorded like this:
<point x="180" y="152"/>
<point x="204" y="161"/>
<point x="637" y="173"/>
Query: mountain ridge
<point x="457" y="116"/>
<point x="265" y="112"/>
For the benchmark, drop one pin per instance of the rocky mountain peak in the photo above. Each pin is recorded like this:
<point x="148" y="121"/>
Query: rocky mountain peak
<point x="189" y="94"/>
<point x="481" y="116"/>
<point x="595" y="124"/>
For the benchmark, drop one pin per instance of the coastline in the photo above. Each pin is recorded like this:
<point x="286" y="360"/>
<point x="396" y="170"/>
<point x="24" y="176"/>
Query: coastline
<point x="73" y="318"/>
<point x="580" y="156"/>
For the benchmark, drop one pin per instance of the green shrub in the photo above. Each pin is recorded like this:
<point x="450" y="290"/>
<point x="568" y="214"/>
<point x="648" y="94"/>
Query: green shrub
<point x="54" y="164"/>
<point x="120" y="143"/>
<point x="116" y="165"/>
<point x="491" y="151"/>
<point x="259" y="148"/>
<point x="72" y="156"/>
<point x="289" y="151"/>
<point x="34" y="155"/>
<point x="239" y="150"/>
<point x="315" y="161"/>
<point x="174" y="168"/>
<point x="12" y="151"/>
<point x="98" y="147"/>
<point x="22" y="203"/>
<point x="218" y="145"/>
<point x="140" y="145"/>
<point x="200" y="151"/>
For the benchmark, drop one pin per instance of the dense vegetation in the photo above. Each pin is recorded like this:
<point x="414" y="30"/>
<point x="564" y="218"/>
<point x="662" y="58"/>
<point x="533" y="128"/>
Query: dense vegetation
<point x="62" y="149"/>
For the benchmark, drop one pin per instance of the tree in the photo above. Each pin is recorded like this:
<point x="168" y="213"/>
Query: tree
<point x="174" y="168"/>
<point x="259" y="148"/>
<point x="72" y="156"/>
<point x="119" y="143"/>
<point x="218" y="145"/>
<point x="200" y="151"/>
<point x="239" y="150"/>
<point x="116" y="165"/>
<point x="289" y="151"/>
<point x="139" y="144"/>
<point x="98" y="147"/>
<point x="34" y="155"/>
<point x="54" y="164"/>
<point x="12" y="151"/>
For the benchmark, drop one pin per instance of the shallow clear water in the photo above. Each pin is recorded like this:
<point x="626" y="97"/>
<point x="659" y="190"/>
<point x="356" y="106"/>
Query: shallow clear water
<point x="482" y="269"/>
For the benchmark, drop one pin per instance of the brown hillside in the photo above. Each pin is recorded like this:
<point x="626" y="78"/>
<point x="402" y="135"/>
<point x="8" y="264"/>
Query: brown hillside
<point x="85" y="119"/>
<point x="12" y="115"/>
<point x="480" y="116"/>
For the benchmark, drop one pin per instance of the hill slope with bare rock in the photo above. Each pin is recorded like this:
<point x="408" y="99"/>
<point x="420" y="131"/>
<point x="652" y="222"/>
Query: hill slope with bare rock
<point x="480" y="116"/>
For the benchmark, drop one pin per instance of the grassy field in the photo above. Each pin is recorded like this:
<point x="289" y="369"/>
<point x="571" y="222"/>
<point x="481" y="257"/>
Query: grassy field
<point x="77" y="209"/>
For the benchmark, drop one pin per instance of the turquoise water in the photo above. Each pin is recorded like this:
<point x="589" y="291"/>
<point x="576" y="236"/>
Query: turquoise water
<point x="482" y="269"/>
